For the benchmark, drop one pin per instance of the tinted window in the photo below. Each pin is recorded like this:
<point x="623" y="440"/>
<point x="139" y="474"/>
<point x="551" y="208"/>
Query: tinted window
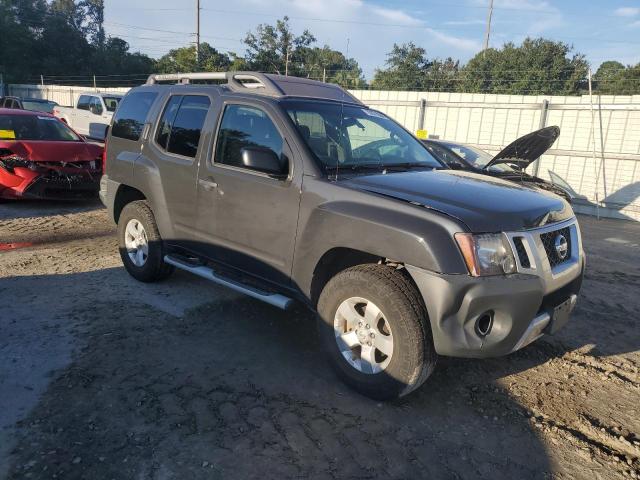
<point x="96" y="106"/>
<point x="245" y="127"/>
<point x="181" y="124"/>
<point x="111" y="103"/>
<point x="129" y="119"/>
<point x="168" y="116"/>
<point x="83" y="102"/>
<point x="186" y="128"/>
<point x="35" y="127"/>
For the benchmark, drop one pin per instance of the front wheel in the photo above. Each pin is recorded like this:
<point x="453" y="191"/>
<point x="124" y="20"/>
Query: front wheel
<point x="374" y="328"/>
<point x="140" y="243"/>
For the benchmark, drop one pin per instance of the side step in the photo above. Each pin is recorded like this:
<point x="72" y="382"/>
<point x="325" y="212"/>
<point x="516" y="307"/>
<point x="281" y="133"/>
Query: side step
<point x="274" y="299"/>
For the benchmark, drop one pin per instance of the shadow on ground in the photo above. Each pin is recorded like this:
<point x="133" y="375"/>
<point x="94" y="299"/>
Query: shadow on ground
<point x="236" y="388"/>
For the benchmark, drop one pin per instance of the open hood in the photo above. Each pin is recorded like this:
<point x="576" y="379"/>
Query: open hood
<point x="527" y="149"/>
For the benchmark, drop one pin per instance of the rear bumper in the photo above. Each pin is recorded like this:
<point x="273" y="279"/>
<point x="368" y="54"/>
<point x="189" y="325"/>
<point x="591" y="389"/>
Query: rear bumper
<point x="517" y="304"/>
<point x="108" y="189"/>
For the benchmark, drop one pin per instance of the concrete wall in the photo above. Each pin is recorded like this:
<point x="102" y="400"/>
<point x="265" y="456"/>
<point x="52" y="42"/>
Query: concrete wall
<point x="608" y="184"/>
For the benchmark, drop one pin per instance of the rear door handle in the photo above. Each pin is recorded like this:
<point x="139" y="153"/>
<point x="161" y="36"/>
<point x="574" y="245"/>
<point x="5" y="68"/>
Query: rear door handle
<point x="207" y="184"/>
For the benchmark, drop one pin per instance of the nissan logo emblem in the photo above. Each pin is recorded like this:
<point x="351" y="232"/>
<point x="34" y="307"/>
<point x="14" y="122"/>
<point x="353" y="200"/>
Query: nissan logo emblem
<point x="561" y="246"/>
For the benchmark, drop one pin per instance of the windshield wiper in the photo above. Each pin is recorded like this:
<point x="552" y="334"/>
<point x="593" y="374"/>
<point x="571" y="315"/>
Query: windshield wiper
<point x="379" y="166"/>
<point x="357" y="166"/>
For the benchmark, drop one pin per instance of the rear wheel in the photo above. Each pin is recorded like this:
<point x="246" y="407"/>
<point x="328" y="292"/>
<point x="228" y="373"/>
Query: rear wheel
<point x="140" y="243"/>
<point x="374" y="327"/>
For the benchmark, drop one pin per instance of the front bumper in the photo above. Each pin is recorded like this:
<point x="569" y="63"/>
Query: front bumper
<point x="522" y="306"/>
<point x="48" y="183"/>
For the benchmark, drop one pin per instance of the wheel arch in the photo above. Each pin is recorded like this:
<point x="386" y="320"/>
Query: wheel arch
<point x="338" y="259"/>
<point x="125" y="195"/>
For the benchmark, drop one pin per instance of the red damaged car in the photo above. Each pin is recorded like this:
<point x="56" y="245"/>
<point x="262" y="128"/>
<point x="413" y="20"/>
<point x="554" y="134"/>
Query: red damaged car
<point x="42" y="157"/>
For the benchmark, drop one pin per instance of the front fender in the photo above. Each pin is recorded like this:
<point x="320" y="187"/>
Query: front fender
<point x="374" y="224"/>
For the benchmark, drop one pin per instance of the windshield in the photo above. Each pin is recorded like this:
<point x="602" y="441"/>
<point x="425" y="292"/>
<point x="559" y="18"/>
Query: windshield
<point x="38" y="106"/>
<point x="349" y="136"/>
<point x="35" y="127"/>
<point x="476" y="157"/>
<point x="111" y="103"/>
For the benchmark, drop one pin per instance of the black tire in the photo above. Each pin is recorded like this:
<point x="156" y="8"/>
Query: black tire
<point x="154" y="268"/>
<point x="414" y="355"/>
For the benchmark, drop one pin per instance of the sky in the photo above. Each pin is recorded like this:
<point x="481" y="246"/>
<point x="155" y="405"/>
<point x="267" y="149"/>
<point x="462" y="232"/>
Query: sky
<point x="367" y="29"/>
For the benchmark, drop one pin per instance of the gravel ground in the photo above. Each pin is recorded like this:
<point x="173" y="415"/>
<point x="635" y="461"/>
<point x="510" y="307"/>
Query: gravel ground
<point x="104" y="377"/>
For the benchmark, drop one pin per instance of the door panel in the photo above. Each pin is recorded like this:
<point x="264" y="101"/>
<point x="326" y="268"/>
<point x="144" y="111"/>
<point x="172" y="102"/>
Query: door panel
<point x="249" y="219"/>
<point x="172" y="150"/>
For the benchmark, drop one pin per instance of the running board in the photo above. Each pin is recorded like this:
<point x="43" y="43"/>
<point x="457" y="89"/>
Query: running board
<point x="274" y="299"/>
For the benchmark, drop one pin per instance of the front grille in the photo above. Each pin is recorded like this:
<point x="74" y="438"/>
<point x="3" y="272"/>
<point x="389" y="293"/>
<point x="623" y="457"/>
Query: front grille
<point x="548" y="241"/>
<point x="522" y="252"/>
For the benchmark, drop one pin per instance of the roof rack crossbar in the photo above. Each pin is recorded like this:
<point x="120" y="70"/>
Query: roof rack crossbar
<point x="181" y="77"/>
<point x="237" y="81"/>
<point x="262" y="83"/>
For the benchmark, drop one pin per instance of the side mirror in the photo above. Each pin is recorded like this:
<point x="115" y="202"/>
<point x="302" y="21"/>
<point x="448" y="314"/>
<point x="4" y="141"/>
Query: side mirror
<point x="95" y="109"/>
<point x="263" y="160"/>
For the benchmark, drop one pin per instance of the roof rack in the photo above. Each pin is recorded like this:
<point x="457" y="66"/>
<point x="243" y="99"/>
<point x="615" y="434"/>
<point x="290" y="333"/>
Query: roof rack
<point x="263" y="84"/>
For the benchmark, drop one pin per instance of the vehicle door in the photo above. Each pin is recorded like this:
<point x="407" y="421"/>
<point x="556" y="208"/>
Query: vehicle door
<point x="248" y="216"/>
<point x="80" y="119"/>
<point x="174" y="149"/>
<point x="97" y="118"/>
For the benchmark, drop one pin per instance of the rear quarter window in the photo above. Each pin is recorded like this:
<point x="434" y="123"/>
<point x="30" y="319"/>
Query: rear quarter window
<point x="130" y="116"/>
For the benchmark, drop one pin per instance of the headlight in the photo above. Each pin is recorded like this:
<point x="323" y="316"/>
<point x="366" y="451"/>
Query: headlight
<point x="486" y="254"/>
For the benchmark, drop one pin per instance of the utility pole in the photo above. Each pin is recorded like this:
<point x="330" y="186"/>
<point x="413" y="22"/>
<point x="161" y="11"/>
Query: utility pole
<point x="286" y="62"/>
<point x="198" y="34"/>
<point x="488" y="33"/>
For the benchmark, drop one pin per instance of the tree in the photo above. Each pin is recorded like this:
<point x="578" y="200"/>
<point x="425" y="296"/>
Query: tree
<point x="20" y="24"/>
<point x="114" y="58"/>
<point x="537" y="67"/>
<point x="63" y="37"/>
<point x="275" y="49"/>
<point x="408" y="68"/>
<point x="184" y="60"/>
<point x="331" y="66"/>
<point x="613" y="78"/>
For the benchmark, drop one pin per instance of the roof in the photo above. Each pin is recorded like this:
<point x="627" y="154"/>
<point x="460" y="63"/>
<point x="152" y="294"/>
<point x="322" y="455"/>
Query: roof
<point x="101" y="94"/>
<point x="28" y="99"/>
<point x="267" y="84"/>
<point x="17" y="111"/>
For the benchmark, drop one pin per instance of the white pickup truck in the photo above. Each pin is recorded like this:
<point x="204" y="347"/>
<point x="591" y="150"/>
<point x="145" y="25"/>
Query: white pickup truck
<point x="91" y="114"/>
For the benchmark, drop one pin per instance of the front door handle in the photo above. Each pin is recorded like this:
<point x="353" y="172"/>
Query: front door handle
<point x="207" y="184"/>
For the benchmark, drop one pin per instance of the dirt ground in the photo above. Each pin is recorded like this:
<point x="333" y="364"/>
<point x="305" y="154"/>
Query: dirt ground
<point x="102" y="377"/>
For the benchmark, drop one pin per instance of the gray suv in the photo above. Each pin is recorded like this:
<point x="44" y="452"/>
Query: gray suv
<point x="287" y="189"/>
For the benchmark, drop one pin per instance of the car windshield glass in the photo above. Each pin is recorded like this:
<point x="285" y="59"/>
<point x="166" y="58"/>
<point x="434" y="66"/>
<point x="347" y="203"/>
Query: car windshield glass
<point x="38" y="106"/>
<point x="111" y="103"/>
<point x="352" y="137"/>
<point x="476" y="157"/>
<point x="35" y="127"/>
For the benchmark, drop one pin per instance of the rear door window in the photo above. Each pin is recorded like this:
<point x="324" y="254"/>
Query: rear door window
<point x="181" y="124"/>
<point x="129" y="119"/>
